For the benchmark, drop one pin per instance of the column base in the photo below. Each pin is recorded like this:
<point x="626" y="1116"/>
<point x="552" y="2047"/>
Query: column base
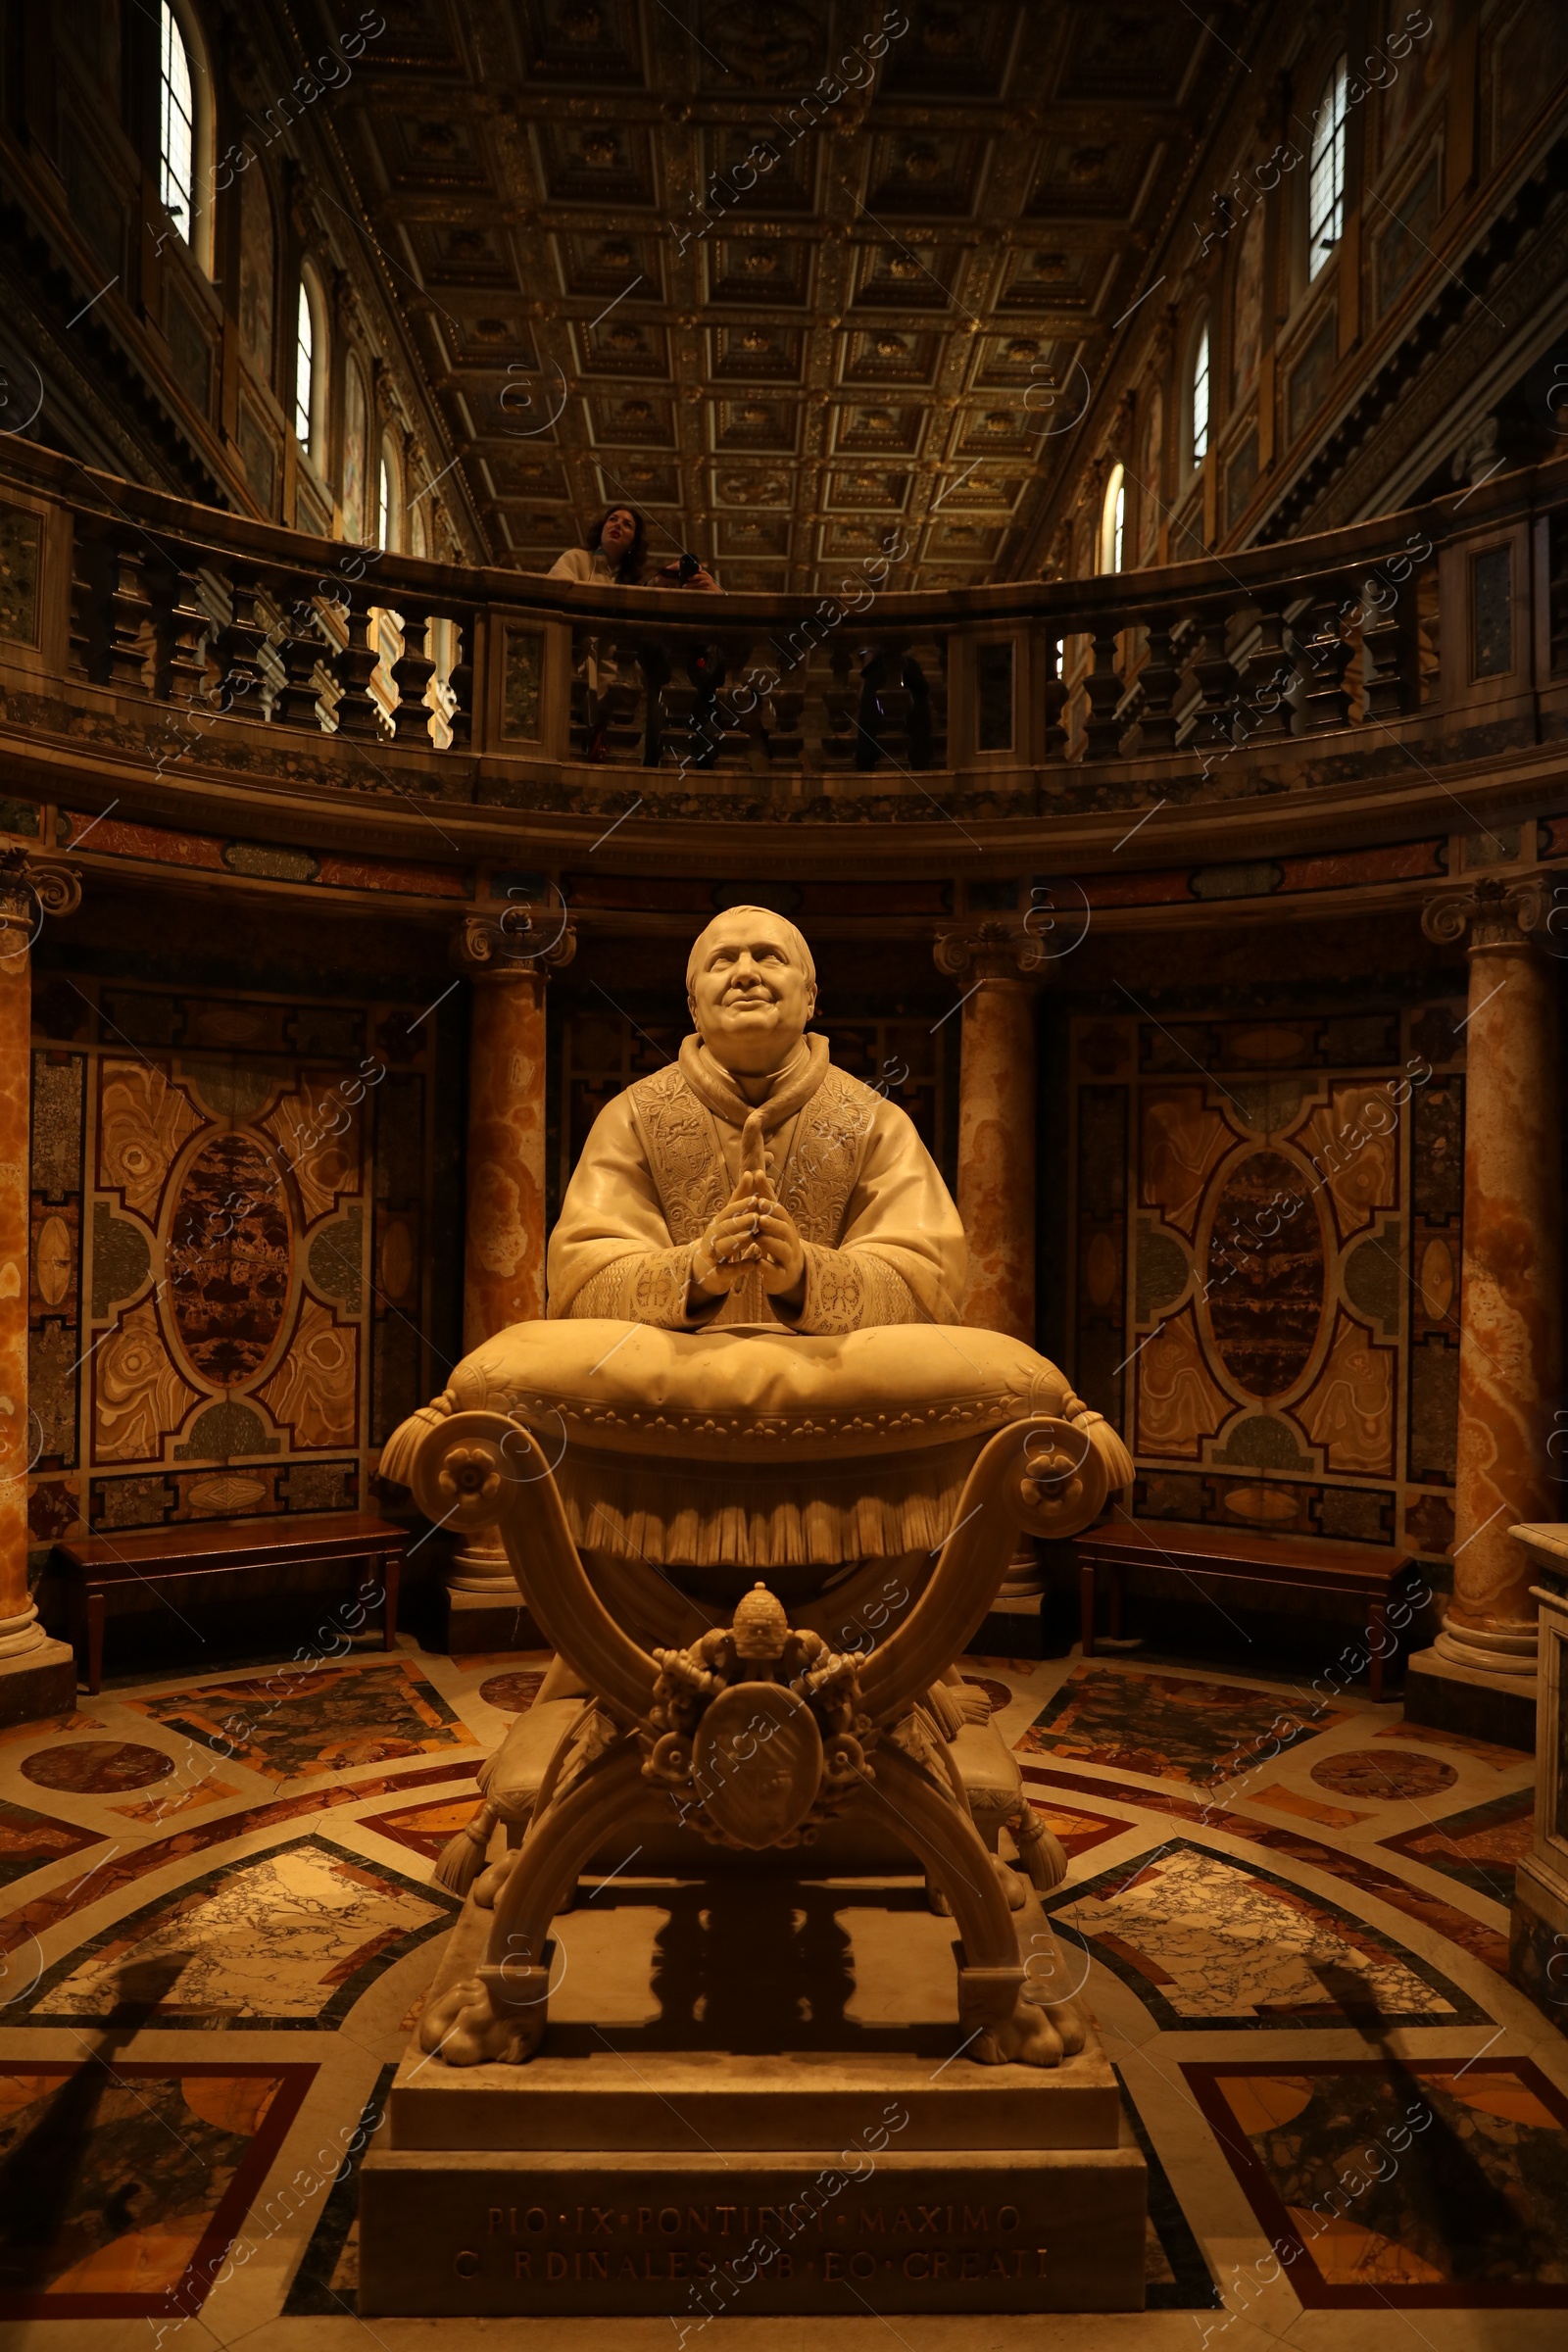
<point x="1499" y="1708"/>
<point x="493" y="1620"/>
<point x="1025" y="1578"/>
<point x="22" y="1634"/>
<point x="482" y="1566"/>
<point x="37" y="1682"/>
<point x="1492" y="1650"/>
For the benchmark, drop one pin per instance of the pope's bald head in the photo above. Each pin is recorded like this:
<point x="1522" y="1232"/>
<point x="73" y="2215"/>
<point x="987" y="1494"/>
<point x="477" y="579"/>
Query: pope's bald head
<point x="748" y="922"/>
<point x="752" y="987"/>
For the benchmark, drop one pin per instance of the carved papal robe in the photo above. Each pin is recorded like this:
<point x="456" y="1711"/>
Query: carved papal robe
<point x="882" y="1237"/>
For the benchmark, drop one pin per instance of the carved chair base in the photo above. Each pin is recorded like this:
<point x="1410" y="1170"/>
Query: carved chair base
<point x="759" y="1733"/>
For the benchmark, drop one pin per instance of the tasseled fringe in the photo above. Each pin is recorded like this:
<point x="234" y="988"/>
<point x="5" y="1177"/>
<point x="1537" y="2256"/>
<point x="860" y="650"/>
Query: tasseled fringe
<point x="462" y="1858"/>
<point x="1040" y="1850"/>
<point x="751" y="1514"/>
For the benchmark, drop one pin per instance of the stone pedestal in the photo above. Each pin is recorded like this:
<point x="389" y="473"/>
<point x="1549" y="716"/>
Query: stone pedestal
<point x="674" y="2151"/>
<point x="1497" y="1709"/>
<point x="40" y="1681"/>
<point x="508" y="958"/>
<point x="36" y="1676"/>
<point x="1537" y="1941"/>
<point x="1510" y="1305"/>
<point x="484" y="1616"/>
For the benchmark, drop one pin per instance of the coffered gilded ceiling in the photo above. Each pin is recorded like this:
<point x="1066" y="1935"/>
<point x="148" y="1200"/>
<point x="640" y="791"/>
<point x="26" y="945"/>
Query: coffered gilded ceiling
<point x="617" y="294"/>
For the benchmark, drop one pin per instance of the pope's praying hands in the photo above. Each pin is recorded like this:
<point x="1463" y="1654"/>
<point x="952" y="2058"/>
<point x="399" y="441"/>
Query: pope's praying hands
<point x="676" y="1204"/>
<point x="751" y="1228"/>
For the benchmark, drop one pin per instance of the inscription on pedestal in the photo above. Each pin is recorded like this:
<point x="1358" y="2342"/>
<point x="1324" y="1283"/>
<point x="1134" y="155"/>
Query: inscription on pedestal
<point x="1068" y="2236"/>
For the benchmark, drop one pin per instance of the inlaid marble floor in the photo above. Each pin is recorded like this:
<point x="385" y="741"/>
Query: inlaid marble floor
<point x="216" y="1921"/>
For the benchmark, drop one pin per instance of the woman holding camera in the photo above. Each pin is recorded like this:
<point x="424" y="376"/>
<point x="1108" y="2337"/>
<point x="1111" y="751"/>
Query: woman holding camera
<point x="614" y="554"/>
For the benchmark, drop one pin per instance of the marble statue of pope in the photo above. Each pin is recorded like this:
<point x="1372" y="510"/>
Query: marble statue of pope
<point x="849" y="1222"/>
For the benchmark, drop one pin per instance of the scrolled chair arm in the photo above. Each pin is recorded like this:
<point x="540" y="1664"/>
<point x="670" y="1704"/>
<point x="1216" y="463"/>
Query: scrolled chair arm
<point x="477" y="1470"/>
<point x="1047" y="1474"/>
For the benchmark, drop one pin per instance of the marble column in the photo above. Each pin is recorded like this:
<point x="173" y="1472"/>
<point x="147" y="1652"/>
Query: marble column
<point x="997" y="1145"/>
<point x="997" y="1120"/>
<point x="36" y="1674"/>
<point x="508" y="958"/>
<point x="1510" y="1341"/>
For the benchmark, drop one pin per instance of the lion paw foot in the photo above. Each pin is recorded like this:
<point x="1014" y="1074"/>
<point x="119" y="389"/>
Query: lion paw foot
<point x="1068" y="2021"/>
<point x="465" y="2028"/>
<point x="1028" y="2037"/>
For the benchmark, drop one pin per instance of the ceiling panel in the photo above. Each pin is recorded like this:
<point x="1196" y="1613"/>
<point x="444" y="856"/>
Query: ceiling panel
<point x="686" y="255"/>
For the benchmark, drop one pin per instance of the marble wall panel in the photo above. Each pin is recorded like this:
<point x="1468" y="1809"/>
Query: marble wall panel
<point x="1281" y="1299"/>
<point x="228" y="1293"/>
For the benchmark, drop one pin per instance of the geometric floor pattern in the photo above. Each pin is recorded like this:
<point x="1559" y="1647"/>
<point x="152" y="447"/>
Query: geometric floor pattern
<point x="1481" y="1848"/>
<point x="125" y="2182"/>
<point x="288" y="1937"/>
<point x="1456" y="2192"/>
<point x="1171" y="1727"/>
<point x="296" y="1726"/>
<point x="1208" y="1941"/>
<point x="1290" y="1923"/>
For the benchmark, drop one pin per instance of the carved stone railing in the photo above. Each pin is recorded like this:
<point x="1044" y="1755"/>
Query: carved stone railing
<point x="194" y="648"/>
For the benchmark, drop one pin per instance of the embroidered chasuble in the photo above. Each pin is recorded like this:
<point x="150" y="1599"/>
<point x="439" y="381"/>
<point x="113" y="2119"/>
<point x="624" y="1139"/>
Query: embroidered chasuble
<point x="882" y="1237"/>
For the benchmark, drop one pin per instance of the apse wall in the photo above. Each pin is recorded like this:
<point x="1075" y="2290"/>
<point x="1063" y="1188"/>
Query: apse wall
<point x="245" y="1148"/>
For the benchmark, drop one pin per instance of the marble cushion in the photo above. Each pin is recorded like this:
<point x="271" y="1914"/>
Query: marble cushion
<point x="635" y="1388"/>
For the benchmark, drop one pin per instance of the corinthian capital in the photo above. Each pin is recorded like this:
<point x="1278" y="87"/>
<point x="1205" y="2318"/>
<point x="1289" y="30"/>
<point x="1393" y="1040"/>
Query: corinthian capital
<point x="33" y="886"/>
<point x="1496" y="914"/>
<point x="995" y="949"/>
<point x="517" y="941"/>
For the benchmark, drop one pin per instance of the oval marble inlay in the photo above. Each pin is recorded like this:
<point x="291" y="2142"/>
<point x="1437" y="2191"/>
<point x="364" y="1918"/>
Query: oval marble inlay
<point x="97" y="1767"/>
<point x="229" y="1258"/>
<point x="512" y="1693"/>
<point x="1269" y="1045"/>
<point x="1435" y="1279"/>
<point x="397" y="1259"/>
<point x="229" y="1025"/>
<point x="225" y="1493"/>
<point x="1261" y="1502"/>
<point x="52" y="1260"/>
<point x="1386" y="1774"/>
<point x="1265" y="1302"/>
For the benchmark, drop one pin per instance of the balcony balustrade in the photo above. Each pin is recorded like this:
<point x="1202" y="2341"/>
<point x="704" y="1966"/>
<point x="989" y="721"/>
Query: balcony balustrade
<point x="196" y="650"/>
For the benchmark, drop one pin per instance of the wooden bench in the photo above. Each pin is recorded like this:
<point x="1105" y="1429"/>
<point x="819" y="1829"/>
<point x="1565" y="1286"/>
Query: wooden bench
<point x="165" y="1556"/>
<point x="1300" y="1563"/>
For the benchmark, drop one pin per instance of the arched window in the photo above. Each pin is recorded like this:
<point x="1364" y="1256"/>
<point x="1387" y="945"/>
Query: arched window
<point x="310" y="369"/>
<point x="185" y="130"/>
<point x="1200" y="397"/>
<point x="1325" y="179"/>
<point x="1113" y="521"/>
<point x="176" y="122"/>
